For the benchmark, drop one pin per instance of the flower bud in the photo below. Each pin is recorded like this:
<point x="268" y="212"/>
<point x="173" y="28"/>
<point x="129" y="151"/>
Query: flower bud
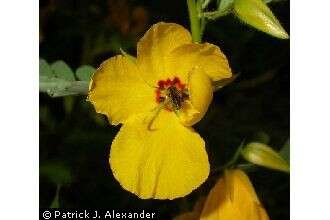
<point x="233" y="197"/>
<point x="263" y="155"/>
<point x="257" y="14"/>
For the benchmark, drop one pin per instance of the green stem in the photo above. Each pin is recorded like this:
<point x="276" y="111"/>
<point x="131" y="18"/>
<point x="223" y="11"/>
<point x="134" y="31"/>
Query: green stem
<point x="205" y="4"/>
<point x="55" y="202"/>
<point x="57" y="88"/>
<point x="235" y="157"/>
<point x="232" y="161"/>
<point x="203" y="25"/>
<point x="195" y="25"/>
<point x="213" y="15"/>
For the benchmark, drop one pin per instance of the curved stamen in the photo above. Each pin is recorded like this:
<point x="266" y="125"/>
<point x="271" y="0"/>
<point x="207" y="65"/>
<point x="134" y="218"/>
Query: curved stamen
<point x="157" y="111"/>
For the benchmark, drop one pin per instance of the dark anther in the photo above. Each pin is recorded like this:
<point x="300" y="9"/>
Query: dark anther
<point x="177" y="97"/>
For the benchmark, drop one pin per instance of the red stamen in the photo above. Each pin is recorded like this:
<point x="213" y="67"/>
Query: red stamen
<point x="176" y="80"/>
<point x="182" y="86"/>
<point x="157" y="95"/>
<point x="161" y="84"/>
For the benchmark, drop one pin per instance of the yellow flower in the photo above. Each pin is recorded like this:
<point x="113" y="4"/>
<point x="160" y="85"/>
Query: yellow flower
<point x="233" y="197"/>
<point x="156" y="153"/>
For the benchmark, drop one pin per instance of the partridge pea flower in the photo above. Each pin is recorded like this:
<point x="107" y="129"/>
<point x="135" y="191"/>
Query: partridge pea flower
<point x="157" y="97"/>
<point x="233" y="197"/>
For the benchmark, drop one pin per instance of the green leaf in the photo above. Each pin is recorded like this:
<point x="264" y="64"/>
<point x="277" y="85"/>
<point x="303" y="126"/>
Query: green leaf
<point x="62" y="70"/>
<point x="56" y="173"/>
<point x="44" y="68"/>
<point x="85" y="72"/>
<point x="58" y="79"/>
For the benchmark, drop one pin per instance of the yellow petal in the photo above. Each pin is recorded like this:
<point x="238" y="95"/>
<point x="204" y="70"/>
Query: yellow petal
<point x="188" y="114"/>
<point x="242" y="184"/>
<point x="206" y="56"/>
<point x="117" y="90"/>
<point x="218" y="203"/>
<point x="261" y="212"/>
<point x="200" y="96"/>
<point x="166" y="162"/>
<point x="155" y="46"/>
<point x="233" y="197"/>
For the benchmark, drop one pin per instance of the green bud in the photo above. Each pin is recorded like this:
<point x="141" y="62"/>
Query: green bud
<point x="263" y="155"/>
<point x="257" y="14"/>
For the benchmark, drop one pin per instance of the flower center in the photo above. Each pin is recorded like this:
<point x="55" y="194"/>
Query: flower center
<point x="172" y="93"/>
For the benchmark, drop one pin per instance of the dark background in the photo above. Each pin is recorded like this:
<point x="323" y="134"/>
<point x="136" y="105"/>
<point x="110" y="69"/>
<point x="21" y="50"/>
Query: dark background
<point x="75" y="140"/>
